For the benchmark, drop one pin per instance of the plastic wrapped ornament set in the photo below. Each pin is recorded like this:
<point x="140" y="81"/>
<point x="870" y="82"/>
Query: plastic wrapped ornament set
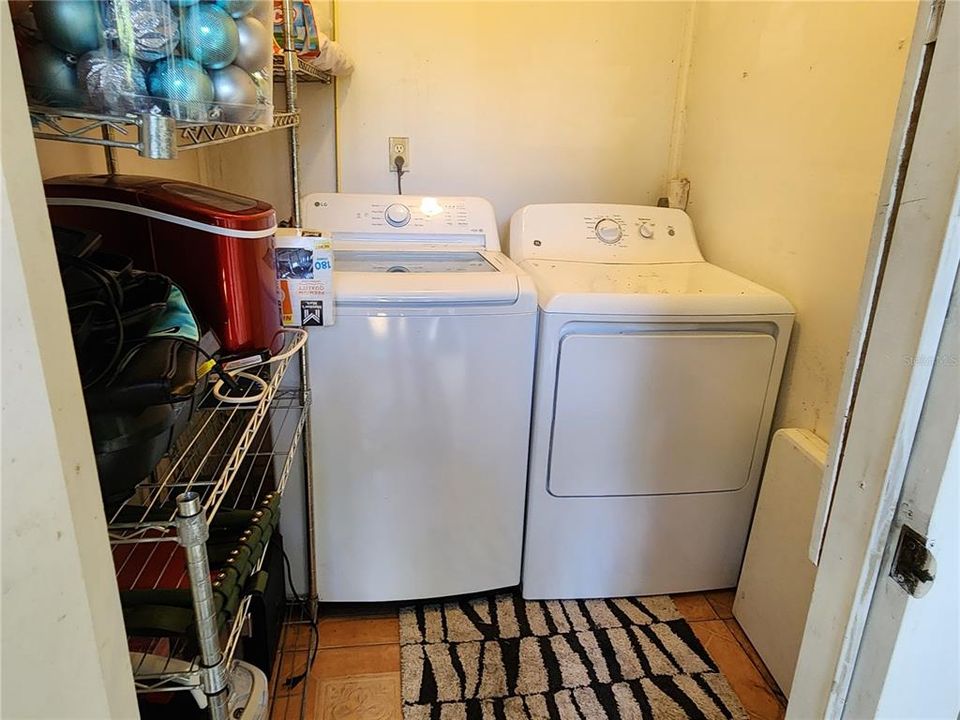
<point x="193" y="60"/>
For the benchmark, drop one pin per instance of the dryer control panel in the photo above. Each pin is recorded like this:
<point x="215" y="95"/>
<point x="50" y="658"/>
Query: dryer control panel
<point x="603" y="233"/>
<point x="439" y="222"/>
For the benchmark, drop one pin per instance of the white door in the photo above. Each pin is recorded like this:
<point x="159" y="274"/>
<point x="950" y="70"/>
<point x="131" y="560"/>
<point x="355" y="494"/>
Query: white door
<point x="909" y="661"/>
<point x="870" y="649"/>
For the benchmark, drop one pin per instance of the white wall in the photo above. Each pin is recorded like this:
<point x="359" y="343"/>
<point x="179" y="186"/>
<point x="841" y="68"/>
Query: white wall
<point x="789" y="108"/>
<point x="64" y="652"/>
<point x="513" y="101"/>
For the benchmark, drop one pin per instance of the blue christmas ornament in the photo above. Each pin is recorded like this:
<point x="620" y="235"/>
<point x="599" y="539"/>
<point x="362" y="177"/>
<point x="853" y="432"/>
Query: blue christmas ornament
<point x="186" y="88"/>
<point x="209" y="35"/>
<point x="237" y="8"/>
<point x="50" y="77"/>
<point x="71" y="25"/>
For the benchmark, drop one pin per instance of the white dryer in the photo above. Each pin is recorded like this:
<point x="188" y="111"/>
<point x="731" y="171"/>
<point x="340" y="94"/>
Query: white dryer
<point x="657" y="376"/>
<point x="421" y="400"/>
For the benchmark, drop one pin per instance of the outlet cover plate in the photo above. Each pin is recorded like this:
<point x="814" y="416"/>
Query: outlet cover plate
<point x="399" y="146"/>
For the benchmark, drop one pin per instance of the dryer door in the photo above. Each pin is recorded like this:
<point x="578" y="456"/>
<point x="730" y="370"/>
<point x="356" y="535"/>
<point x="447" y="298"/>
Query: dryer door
<point x="653" y="413"/>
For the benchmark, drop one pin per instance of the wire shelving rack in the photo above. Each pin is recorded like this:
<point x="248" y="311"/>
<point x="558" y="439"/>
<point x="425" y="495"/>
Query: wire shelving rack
<point x="231" y="456"/>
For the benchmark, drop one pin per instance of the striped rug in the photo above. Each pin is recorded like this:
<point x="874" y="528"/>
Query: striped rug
<point x="504" y="658"/>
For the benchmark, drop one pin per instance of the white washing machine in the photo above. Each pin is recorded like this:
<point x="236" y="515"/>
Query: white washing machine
<point x="656" y="381"/>
<point x="421" y="400"/>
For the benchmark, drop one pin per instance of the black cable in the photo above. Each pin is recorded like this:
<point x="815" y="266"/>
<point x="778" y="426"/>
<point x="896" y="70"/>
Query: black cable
<point x="398" y="163"/>
<point x="228" y="379"/>
<point x="293" y="681"/>
<point x="115" y="292"/>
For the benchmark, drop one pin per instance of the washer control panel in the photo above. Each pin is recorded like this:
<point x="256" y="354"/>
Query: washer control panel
<point x="397" y="214"/>
<point x="603" y="233"/>
<point x="362" y="220"/>
<point x="608" y="230"/>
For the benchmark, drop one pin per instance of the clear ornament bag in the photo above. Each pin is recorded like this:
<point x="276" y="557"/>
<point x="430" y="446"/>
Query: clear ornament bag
<point x="197" y="61"/>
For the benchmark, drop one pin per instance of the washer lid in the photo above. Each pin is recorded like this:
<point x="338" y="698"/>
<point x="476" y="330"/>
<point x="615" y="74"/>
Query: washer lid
<point x="400" y="278"/>
<point x="411" y="262"/>
<point x="696" y="288"/>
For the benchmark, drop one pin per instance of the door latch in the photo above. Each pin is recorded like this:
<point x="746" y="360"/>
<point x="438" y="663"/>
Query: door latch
<point x="913" y="564"/>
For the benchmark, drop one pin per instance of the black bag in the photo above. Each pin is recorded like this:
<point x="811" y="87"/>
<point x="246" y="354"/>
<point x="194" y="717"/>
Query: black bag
<point x="136" y="342"/>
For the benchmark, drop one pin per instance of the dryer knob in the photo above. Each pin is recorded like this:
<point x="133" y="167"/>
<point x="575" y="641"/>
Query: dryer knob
<point x="646" y="231"/>
<point x="397" y="214"/>
<point x="608" y="231"/>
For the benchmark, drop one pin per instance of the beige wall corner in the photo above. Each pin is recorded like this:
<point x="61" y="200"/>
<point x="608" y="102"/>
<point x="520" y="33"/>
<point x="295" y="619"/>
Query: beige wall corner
<point x="788" y="114"/>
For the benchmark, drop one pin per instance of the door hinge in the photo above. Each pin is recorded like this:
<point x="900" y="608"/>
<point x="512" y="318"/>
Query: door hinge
<point x="913" y="564"/>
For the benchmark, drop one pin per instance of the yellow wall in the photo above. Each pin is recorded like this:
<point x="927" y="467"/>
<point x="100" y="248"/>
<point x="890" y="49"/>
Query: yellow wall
<point x="60" y="158"/>
<point x="516" y="102"/>
<point x="789" y="108"/>
<point x="259" y="166"/>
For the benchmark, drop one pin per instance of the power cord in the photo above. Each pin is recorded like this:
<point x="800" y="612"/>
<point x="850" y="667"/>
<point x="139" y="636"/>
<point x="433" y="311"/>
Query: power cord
<point x="398" y="163"/>
<point x="294" y="680"/>
<point x="226" y="377"/>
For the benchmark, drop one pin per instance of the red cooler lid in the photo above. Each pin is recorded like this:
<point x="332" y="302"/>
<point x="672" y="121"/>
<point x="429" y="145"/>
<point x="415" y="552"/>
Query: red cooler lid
<point x="177" y="201"/>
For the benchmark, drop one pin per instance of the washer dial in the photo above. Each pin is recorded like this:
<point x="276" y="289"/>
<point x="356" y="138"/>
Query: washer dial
<point x="397" y="214"/>
<point x="608" y="231"/>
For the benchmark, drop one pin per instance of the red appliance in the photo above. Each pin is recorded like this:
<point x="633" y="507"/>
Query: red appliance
<point x="215" y="245"/>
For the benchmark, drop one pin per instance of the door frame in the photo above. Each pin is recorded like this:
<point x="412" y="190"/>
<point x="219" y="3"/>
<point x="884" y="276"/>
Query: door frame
<point x="906" y="289"/>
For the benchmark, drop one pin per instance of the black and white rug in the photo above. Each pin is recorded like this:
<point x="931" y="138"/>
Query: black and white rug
<point x="504" y="658"/>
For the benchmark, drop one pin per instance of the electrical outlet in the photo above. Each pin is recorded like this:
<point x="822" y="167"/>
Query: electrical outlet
<point x="399" y="147"/>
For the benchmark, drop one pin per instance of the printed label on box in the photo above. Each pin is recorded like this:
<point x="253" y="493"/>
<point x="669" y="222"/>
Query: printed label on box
<point x="304" y="261"/>
<point x="311" y="313"/>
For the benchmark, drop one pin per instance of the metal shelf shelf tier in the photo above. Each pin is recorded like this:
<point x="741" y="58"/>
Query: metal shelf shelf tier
<point x="305" y="71"/>
<point x="152" y="136"/>
<point x="231" y="465"/>
<point x="222" y="445"/>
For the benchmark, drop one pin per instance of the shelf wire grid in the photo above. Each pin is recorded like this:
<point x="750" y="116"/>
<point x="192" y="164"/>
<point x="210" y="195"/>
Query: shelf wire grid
<point x="207" y="459"/>
<point x="165" y="664"/>
<point x="305" y="71"/>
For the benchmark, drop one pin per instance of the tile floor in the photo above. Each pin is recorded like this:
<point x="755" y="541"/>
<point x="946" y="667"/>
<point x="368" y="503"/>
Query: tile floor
<point x="356" y="674"/>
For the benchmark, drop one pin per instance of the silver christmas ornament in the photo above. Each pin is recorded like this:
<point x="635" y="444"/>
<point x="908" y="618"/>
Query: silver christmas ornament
<point x="144" y="29"/>
<point x="237" y="8"/>
<point x="236" y="94"/>
<point x="113" y="84"/>
<point x="256" y="45"/>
